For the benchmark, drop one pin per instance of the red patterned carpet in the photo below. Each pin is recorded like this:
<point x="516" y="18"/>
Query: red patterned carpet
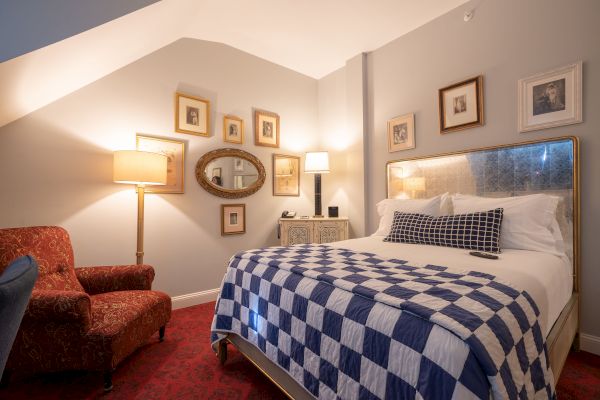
<point x="184" y="367"/>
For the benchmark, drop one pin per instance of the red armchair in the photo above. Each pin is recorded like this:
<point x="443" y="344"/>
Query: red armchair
<point x="87" y="318"/>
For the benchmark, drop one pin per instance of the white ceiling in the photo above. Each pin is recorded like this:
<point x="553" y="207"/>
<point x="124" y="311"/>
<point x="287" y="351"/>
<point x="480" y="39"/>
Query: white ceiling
<point x="313" y="37"/>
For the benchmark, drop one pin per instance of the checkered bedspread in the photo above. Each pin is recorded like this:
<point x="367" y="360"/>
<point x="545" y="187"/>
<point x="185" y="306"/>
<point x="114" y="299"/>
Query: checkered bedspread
<point x="350" y="325"/>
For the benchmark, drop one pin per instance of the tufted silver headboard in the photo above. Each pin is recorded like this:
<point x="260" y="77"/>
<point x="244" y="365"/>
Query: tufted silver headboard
<point x="549" y="166"/>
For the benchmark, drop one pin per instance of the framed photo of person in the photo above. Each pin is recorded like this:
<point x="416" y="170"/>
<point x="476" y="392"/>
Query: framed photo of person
<point x="192" y="115"/>
<point x="461" y="105"/>
<point x="551" y="99"/>
<point x="175" y="152"/>
<point x="401" y="133"/>
<point x="233" y="129"/>
<point x="233" y="219"/>
<point x="286" y="175"/>
<point x="266" y="129"/>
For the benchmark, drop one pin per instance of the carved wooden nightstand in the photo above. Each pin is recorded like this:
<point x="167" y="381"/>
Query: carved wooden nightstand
<point x="313" y="230"/>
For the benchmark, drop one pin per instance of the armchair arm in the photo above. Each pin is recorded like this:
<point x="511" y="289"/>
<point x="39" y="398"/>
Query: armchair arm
<point x="114" y="278"/>
<point x="59" y="306"/>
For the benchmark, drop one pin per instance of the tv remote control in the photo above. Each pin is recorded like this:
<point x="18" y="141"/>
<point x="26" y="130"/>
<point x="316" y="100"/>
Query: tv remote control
<point x="484" y="255"/>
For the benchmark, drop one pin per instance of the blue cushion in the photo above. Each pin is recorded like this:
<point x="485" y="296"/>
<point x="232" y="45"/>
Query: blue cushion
<point x="474" y="231"/>
<point x="16" y="284"/>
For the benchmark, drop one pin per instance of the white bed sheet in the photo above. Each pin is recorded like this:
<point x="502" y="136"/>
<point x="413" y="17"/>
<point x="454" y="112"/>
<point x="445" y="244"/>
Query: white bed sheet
<point x="546" y="277"/>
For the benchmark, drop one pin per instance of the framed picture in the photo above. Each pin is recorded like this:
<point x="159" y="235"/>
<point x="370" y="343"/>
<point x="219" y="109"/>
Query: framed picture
<point x="175" y="152"/>
<point x="461" y="105"/>
<point x="551" y="99"/>
<point x="266" y="129"/>
<point x="401" y="133"/>
<point x="192" y="115"/>
<point x="233" y="129"/>
<point x="238" y="164"/>
<point x="286" y="175"/>
<point x="233" y="219"/>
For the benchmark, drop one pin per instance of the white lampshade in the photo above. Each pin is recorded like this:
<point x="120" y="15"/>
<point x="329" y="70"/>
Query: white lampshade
<point x="414" y="183"/>
<point x="139" y="167"/>
<point x="316" y="162"/>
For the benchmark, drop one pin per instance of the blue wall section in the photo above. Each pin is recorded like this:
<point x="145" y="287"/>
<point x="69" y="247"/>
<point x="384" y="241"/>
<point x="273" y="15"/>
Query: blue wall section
<point x="27" y="25"/>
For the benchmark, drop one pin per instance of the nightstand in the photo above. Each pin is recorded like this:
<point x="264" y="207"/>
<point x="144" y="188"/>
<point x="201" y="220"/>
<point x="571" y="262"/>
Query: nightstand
<point x="313" y="230"/>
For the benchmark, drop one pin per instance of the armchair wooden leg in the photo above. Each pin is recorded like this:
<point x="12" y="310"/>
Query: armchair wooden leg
<point x="222" y="351"/>
<point x="161" y="333"/>
<point x="108" y="385"/>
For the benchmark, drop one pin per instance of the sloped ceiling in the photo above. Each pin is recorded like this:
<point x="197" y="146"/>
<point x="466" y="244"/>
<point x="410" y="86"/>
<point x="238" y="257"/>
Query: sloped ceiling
<point x="313" y="37"/>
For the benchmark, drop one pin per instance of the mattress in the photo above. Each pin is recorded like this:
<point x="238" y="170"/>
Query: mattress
<point x="546" y="277"/>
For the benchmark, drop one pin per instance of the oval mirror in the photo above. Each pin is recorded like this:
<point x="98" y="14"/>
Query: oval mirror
<point x="230" y="173"/>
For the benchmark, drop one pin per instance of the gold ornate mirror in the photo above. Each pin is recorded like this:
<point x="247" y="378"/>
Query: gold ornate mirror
<point x="230" y="173"/>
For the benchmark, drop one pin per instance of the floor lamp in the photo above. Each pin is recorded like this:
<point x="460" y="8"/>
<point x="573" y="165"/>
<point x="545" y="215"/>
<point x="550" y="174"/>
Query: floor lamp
<point x="317" y="162"/>
<point x="140" y="168"/>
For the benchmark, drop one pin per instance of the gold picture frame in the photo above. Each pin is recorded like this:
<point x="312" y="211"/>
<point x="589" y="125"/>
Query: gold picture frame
<point x="286" y="175"/>
<point x="192" y="115"/>
<point x="401" y="133"/>
<point x="233" y="129"/>
<point x="233" y="219"/>
<point x="174" y="150"/>
<point x="461" y="105"/>
<point x="266" y="128"/>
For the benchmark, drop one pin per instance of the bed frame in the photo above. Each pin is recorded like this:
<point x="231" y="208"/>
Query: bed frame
<point x="543" y="166"/>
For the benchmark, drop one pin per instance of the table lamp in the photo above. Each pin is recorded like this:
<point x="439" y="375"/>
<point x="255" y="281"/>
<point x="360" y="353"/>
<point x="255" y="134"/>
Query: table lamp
<point x="317" y="162"/>
<point x="139" y="168"/>
<point x="413" y="185"/>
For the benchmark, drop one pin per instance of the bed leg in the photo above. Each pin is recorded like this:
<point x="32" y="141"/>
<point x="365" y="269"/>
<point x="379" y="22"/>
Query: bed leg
<point x="576" y="343"/>
<point x="222" y="351"/>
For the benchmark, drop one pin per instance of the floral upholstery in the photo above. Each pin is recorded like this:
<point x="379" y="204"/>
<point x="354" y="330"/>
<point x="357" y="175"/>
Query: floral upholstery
<point x="51" y="248"/>
<point x="87" y="318"/>
<point x="112" y="278"/>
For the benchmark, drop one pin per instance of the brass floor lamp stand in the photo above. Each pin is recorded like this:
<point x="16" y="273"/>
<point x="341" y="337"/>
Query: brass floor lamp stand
<point x="140" y="226"/>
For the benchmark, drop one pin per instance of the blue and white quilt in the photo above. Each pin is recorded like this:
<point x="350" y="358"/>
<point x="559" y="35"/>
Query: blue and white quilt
<point x="350" y="325"/>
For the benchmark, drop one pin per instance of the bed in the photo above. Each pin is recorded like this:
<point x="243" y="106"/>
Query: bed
<point x="550" y="280"/>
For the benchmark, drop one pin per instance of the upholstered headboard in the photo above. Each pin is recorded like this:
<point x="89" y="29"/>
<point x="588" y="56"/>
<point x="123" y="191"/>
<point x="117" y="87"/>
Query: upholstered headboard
<point x="548" y="166"/>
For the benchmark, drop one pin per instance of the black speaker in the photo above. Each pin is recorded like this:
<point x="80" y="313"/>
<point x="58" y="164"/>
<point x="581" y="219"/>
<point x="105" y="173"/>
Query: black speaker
<point x="332" y="212"/>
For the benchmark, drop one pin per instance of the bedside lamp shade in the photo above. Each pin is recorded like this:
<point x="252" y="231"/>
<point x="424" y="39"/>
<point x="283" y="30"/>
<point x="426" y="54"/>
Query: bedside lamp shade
<point x="316" y="162"/>
<point x="139" y="168"/>
<point x="414" y="183"/>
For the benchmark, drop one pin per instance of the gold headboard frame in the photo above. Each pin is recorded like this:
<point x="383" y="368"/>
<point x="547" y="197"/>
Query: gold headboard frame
<point x="433" y="175"/>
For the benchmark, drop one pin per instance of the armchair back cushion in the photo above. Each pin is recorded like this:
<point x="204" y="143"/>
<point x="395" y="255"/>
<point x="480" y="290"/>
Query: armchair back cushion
<point x="51" y="248"/>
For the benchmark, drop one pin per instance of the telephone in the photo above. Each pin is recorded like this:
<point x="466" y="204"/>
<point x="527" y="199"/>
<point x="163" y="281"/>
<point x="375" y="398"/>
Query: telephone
<point x="288" y="214"/>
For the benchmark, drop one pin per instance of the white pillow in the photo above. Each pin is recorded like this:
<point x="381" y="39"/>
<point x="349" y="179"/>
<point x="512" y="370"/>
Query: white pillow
<point x="387" y="207"/>
<point x="529" y="222"/>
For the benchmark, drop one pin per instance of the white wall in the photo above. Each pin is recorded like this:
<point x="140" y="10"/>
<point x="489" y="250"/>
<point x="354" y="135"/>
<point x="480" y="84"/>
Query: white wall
<point x="57" y="161"/>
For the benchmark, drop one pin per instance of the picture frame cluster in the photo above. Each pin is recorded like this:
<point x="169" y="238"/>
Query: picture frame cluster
<point x="545" y="100"/>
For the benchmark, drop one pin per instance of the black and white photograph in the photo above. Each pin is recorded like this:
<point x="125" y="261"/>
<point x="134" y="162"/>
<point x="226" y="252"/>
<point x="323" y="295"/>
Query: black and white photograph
<point x="550" y="99"/>
<point x="192" y="115"/>
<point x="233" y="129"/>
<point x="233" y="218"/>
<point x="266" y="128"/>
<point x="461" y="105"/>
<point x="401" y="133"/>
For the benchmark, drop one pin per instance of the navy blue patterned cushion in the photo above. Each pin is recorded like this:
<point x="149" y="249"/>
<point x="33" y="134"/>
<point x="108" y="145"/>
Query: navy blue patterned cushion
<point x="474" y="231"/>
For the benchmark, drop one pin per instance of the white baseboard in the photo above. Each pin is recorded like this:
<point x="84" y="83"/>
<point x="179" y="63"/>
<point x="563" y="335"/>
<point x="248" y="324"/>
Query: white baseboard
<point x="590" y="343"/>
<point x="192" y="299"/>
